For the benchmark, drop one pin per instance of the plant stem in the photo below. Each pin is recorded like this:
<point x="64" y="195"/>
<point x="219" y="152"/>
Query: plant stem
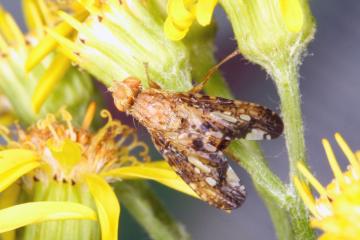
<point x="251" y="158"/>
<point x="248" y="154"/>
<point x="145" y="207"/>
<point x="201" y="48"/>
<point x="263" y="39"/>
<point x="286" y="79"/>
<point x="267" y="184"/>
<point x="288" y="214"/>
<point x="278" y="215"/>
<point x="285" y="76"/>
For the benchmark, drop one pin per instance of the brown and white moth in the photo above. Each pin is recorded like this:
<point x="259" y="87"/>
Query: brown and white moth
<point x="192" y="130"/>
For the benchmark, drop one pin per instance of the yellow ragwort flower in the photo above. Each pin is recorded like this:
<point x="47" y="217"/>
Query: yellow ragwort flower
<point x="182" y="14"/>
<point x="19" y="86"/>
<point x="336" y="211"/>
<point x="113" y="40"/>
<point x="55" y="171"/>
<point x="7" y="116"/>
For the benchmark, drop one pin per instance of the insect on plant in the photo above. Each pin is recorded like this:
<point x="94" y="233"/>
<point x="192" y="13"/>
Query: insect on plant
<point x="191" y="131"/>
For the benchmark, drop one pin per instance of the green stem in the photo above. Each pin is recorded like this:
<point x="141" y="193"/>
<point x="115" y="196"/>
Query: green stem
<point x="145" y="207"/>
<point x="250" y="157"/>
<point x="286" y="79"/>
<point x="248" y="154"/>
<point x="201" y="47"/>
<point x="278" y="215"/>
<point x="267" y="184"/>
<point x="262" y="39"/>
<point x="285" y="76"/>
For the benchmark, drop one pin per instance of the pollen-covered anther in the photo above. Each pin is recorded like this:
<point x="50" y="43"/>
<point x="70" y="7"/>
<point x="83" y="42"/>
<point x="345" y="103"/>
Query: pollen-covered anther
<point x="68" y="153"/>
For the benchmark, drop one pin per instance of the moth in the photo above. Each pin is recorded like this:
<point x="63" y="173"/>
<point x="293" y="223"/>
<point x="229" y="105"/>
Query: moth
<point x="192" y="130"/>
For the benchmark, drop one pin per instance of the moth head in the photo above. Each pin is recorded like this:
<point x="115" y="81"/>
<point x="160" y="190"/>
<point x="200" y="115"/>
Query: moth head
<point x="124" y="92"/>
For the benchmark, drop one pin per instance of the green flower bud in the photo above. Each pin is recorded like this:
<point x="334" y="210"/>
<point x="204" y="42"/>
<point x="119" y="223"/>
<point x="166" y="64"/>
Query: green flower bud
<point x="122" y="39"/>
<point x="269" y="32"/>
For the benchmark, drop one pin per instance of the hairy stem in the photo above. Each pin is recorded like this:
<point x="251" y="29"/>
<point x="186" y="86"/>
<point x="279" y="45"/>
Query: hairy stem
<point x="279" y="53"/>
<point x="286" y="77"/>
<point x="278" y="215"/>
<point x="251" y="158"/>
<point x="248" y="154"/>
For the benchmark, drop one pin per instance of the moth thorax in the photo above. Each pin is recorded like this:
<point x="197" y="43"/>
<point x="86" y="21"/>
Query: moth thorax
<point x="124" y="93"/>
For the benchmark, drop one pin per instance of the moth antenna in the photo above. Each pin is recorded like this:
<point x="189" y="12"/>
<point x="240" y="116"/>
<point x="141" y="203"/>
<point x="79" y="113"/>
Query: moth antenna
<point x="213" y="70"/>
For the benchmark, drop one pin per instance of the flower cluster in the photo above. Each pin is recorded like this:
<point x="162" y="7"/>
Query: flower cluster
<point x="64" y="172"/>
<point x="20" y="86"/>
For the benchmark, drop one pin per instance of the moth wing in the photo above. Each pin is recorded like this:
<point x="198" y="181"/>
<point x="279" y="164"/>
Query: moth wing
<point x="209" y="176"/>
<point x="236" y="119"/>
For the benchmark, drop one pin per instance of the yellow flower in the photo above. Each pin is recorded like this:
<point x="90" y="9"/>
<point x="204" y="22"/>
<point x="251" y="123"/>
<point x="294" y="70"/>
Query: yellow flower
<point x="336" y="210"/>
<point x="55" y="171"/>
<point x="19" y="86"/>
<point x="182" y="14"/>
<point x="6" y="112"/>
<point x="113" y="40"/>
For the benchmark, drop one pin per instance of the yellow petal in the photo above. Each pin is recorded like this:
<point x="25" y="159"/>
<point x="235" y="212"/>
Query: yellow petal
<point x="54" y="73"/>
<point x="32" y="16"/>
<point x="173" y="32"/>
<point x="180" y="14"/>
<point x="48" y="43"/>
<point x="15" y="157"/>
<point x="72" y="21"/>
<point x="204" y="11"/>
<point x="7" y="119"/>
<point x="305" y="195"/>
<point x="348" y="153"/>
<point x="7" y="178"/>
<point x="10" y="29"/>
<point x="9" y="198"/>
<point x="35" y="212"/>
<point x="314" y="182"/>
<point x="14" y="164"/>
<point x="67" y="47"/>
<point x="108" y="207"/>
<point x="333" y="162"/>
<point x="157" y="171"/>
<point x="10" y="235"/>
<point x="45" y="12"/>
<point x="3" y="44"/>
<point x="292" y="14"/>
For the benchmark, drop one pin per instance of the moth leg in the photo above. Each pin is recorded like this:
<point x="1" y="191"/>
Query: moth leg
<point x="197" y="88"/>
<point x="152" y="84"/>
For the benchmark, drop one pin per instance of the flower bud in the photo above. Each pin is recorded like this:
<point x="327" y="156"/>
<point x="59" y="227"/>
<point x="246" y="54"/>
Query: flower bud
<point x="125" y="39"/>
<point x="269" y="31"/>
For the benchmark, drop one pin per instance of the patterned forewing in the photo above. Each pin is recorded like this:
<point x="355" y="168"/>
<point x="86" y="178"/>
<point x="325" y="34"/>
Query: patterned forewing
<point x="236" y="119"/>
<point x="192" y="130"/>
<point x="215" y="183"/>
